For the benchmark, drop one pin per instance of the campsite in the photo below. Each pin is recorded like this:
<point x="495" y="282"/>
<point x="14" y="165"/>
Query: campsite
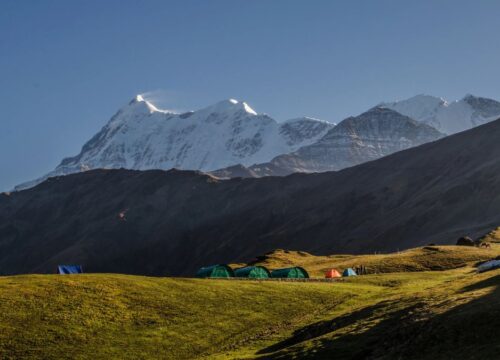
<point x="249" y="180"/>
<point x="436" y="288"/>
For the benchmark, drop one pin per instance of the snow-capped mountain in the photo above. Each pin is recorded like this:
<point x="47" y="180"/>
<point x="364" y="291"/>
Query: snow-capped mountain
<point x="140" y="136"/>
<point x="371" y="135"/>
<point x="448" y="117"/>
<point x="355" y="140"/>
<point x="231" y="136"/>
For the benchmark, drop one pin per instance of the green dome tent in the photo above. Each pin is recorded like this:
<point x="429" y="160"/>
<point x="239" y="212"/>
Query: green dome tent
<point x="290" y="273"/>
<point x="215" y="271"/>
<point x="349" y="272"/>
<point x="254" y="272"/>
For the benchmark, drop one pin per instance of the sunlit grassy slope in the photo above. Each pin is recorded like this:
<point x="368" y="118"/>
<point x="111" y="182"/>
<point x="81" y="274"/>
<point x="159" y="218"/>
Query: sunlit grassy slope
<point x="418" y="259"/>
<point x="493" y="236"/>
<point x="422" y="315"/>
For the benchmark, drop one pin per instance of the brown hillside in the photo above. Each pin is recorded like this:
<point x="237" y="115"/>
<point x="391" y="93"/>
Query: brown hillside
<point x="177" y="221"/>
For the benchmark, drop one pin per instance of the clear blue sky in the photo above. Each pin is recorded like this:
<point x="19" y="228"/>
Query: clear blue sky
<point x="67" y="65"/>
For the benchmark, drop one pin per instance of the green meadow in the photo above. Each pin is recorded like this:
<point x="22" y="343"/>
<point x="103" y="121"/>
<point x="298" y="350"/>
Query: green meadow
<point x="417" y="314"/>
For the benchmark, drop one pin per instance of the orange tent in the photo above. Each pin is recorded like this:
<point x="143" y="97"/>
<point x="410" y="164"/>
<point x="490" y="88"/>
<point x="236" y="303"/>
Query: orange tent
<point x="332" y="273"/>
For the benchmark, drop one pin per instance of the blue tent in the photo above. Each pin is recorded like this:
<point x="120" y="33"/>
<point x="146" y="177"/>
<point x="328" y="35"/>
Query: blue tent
<point x="69" y="269"/>
<point x="349" y="272"/>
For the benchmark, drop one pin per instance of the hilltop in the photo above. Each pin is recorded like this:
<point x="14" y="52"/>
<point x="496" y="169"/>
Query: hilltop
<point x="427" y="258"/>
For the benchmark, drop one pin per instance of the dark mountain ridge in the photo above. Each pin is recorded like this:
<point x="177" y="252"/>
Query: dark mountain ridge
<point x="158" y="223"/>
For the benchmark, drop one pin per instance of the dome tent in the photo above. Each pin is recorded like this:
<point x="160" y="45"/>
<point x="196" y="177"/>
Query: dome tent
<point x="215" y="271"/>
<point x="332" y="273"/>
<point x="349" y="272"/>
<point x="290" y="273"/>
<point x="253" y="272"/>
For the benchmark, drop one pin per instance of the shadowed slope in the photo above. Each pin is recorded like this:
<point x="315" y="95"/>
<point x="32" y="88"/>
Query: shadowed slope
<point x="174" y="222"/>
<point x="456" y="321"/>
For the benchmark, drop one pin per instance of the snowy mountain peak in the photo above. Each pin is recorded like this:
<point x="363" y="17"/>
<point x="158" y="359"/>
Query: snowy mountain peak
<point x="379" y="119"/>
<point x="420" y="107"/>
<point x="141" y="136"/>
<point x="426" y="99"/>
<point x="229" y="106"/>
<point x="448" y="117"/>
<point x="139" y="105"/>
<point x="138" y="98"/>
<point x="248" y="109"/>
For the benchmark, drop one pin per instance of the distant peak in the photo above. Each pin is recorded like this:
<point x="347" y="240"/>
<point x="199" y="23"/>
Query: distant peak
<point x="487" y="106"/>
<point x="418" y="100"/>
<point x="379" y="112"/>
<point x="380" y="109"/>
<point x="248" y="109"/>
<point x="230" y="105"/>
<point x="140" y="104"/>
<point x="139" y="98"/>
<point x="468" y="97"/>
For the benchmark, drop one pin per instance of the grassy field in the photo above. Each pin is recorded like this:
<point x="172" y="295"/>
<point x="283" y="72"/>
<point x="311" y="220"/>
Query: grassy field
<point x="420" y="314"/>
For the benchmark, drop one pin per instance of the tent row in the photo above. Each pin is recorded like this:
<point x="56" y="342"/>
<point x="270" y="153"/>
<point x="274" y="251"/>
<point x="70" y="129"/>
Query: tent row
<point x="334" y="273"/>
<point x="260" y="272"/>
<point x="252" y="272"/>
